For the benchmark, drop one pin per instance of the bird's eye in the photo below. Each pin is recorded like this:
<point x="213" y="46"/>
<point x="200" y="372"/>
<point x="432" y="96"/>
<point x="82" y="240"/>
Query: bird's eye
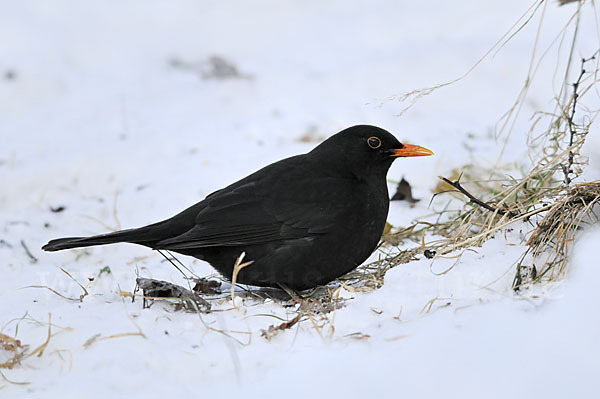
<point x="374" y="142"/>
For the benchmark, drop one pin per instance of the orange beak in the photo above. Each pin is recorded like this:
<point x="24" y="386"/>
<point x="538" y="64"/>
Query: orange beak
<point x="409" y="150"/>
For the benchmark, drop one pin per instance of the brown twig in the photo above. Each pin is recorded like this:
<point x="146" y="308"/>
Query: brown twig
<point x="456" y="184"/>
<point x="273" y="330"/>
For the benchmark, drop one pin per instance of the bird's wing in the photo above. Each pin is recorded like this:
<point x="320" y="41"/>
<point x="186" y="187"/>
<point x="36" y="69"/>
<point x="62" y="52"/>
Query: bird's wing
<point x="241" y="224"/>
<point x="247" y="216"/>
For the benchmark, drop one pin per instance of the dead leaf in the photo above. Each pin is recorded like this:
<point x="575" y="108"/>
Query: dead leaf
<point x="404" y="192"/>
<point x="274" y="330"/>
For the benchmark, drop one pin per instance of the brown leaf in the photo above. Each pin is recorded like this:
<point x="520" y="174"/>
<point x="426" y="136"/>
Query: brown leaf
<point x="206" y="286"/>
<point x="274" y="330"/>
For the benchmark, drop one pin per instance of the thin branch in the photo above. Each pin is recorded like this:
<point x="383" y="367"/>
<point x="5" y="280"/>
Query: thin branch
<point x="456" y="184"/>
<point x="567" y="169"/>
<point x="572" y="129"/>
<point x="28" y="252"/>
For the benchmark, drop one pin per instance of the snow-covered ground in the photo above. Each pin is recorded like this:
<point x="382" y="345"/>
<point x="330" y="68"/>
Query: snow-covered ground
<point x="117" y="112"/>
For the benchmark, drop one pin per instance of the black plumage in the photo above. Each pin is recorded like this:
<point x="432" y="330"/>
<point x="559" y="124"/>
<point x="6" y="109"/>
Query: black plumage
<point x="303" y="221"/>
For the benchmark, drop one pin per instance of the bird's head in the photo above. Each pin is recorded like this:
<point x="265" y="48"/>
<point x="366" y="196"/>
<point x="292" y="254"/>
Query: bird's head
<point x="365" y="151"/>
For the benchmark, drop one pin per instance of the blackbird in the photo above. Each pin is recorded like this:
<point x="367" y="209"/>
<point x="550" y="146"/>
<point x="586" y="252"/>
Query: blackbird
<point x="303" y="221"/>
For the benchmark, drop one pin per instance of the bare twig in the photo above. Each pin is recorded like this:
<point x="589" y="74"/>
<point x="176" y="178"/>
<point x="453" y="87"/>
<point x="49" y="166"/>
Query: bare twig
<point x="567" y="169"/>
<point x="28" y="252"/>
<point x="456" y="184"/>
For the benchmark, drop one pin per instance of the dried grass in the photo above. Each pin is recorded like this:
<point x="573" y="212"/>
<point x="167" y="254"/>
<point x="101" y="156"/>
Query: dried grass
<point x="80" y="299"/>
<point x="15" y="347"/>
<point x="550" y="241"/>
<point x="20" y="352"/>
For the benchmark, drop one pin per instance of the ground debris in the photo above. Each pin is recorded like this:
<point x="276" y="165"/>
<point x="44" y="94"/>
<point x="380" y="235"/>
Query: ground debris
<point x="155" y="289"/>
<point x="322" y="304"/>
<point x="369" y="277"/>
<point x="358" y="336"/>
<point x="32" y="258"/>
<point x="213" y="67"/>
<point x="15" y="348"/>
<point x="274" y="330"/>
<point x="404" y="192"/>
<point x="206" y="286"/>
<point x="429" y="254"/>
<point x="10" y="74"/>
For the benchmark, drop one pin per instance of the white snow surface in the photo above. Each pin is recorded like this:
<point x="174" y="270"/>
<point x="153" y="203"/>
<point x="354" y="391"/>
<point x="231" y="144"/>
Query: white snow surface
<point x="96" y="118"/>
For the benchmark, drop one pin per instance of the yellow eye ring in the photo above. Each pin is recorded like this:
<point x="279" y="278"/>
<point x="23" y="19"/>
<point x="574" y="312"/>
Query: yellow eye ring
<point x="374" y="142"/>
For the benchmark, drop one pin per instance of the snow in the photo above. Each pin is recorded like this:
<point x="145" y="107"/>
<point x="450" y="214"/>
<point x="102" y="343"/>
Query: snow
<point x="98" y="119"/>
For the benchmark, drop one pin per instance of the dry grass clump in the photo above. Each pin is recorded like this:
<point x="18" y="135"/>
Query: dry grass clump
<point x="545" y="191"/>
<point x="13" y="352"/>
<point x="16" y="350"/>
<point x="370" y="276"/>
<point x="550" y="241"/>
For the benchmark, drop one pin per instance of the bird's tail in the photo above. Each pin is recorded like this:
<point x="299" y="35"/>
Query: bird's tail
<point x="131" y="235"/>
<point x="148" y="236"/>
